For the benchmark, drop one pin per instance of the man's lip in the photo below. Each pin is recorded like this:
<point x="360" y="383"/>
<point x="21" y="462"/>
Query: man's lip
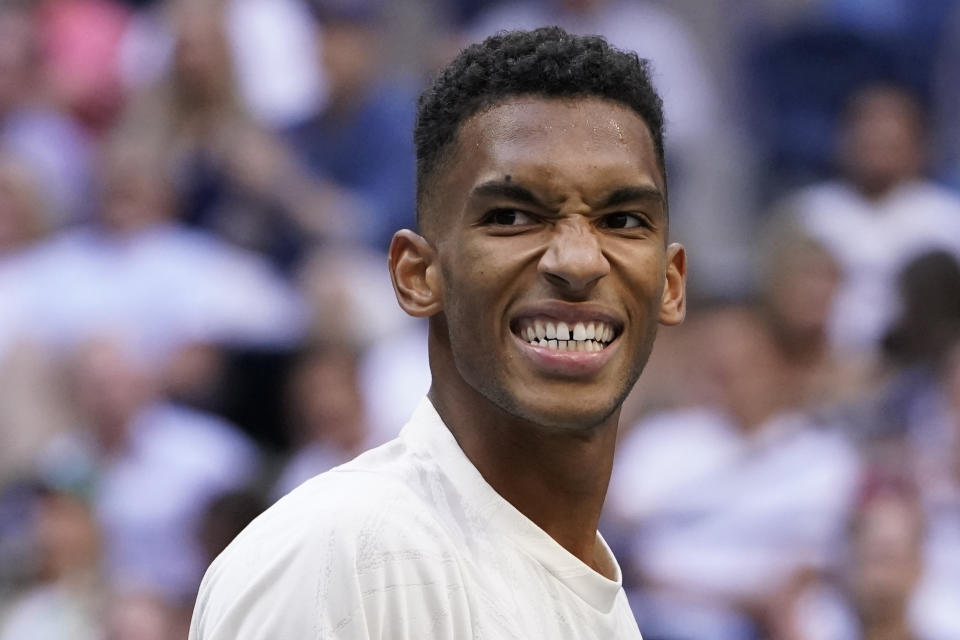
<point x="567" y="364"/>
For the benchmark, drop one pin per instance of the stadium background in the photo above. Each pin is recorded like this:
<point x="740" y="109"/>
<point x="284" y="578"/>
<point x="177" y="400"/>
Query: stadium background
<point x="195" y="314"/>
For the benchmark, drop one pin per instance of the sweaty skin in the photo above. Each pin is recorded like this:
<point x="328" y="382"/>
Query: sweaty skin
<point x="548" y="210"/>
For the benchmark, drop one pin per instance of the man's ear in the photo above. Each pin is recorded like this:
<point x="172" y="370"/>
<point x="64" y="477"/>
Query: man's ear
<point x="416" y="276"/>
<point x="673" y="302"/>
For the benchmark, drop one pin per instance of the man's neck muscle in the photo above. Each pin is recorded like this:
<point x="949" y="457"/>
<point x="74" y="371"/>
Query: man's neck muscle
<point x="557" y="479"/>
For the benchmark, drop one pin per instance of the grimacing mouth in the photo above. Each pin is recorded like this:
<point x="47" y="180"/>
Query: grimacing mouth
<point x="566" y="335"/>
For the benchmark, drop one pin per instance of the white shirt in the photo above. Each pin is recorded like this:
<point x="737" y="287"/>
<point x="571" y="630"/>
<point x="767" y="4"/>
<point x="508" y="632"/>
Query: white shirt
<point x="407" y="541"/>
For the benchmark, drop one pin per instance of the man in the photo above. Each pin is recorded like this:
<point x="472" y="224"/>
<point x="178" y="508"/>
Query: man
<point x="544" y="268"/>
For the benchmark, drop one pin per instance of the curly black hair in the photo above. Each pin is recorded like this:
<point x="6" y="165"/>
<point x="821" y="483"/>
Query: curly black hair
<point x="548" y="62"/>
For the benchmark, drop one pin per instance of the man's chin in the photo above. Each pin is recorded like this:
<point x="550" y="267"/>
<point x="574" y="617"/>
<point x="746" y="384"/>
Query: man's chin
<point x="565" y="414"/>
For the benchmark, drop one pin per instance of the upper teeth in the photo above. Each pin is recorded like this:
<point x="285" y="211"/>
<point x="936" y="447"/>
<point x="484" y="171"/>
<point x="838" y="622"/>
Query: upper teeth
<point x="586" y="336"/>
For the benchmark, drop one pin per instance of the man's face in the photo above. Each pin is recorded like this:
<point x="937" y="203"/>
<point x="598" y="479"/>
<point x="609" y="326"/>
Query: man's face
<point x="550" y="225"/>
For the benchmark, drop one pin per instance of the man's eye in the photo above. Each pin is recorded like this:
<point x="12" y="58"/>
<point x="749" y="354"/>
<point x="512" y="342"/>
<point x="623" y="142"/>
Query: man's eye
<point x="508" y="217"/>
<point x="623" y="221"/>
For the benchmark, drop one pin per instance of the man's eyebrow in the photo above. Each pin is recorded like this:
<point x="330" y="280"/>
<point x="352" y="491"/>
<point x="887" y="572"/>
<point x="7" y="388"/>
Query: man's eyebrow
<point x="632" y="194"/>
<point x="517" y="193"/>
<point x="508" y="190"/>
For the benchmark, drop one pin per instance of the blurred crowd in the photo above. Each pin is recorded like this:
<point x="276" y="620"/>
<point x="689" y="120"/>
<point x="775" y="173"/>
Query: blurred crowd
<point x="195" y="314"/>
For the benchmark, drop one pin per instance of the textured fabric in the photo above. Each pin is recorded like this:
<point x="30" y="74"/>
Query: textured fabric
<point x="405" y="542"/>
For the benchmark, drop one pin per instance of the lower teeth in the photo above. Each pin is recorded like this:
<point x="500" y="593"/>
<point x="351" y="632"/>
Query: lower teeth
<point x="569" y="345"/>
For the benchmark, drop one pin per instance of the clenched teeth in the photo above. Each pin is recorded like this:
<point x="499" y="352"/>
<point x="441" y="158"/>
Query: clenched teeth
<point x="581" y="336"/>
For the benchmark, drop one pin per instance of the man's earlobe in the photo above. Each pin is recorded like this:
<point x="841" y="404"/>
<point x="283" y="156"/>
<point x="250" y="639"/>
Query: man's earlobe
<point x="673" y="303"/>
<point x="415" y="272"/>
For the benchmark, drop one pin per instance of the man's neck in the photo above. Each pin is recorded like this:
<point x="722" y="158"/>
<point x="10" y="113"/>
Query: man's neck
<point x="556" y="479"/>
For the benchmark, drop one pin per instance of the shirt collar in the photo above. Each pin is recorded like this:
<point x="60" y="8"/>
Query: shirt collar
<point x="426" y="434"/>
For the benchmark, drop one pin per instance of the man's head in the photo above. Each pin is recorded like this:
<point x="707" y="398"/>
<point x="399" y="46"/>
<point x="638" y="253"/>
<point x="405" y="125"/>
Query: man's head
<point x="544" y="263"/>
<point x="544" y="63"/>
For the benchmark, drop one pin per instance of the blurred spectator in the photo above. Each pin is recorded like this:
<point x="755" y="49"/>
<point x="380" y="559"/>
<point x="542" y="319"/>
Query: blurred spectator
<point x="81" y="42"/>
<point x="70" y="594"/>
<point x="394" y="372"/>
<point x="804" y="58"/>
<point x="912" y="587"/>
<point x="940" y="482"/>
<point x="929" y="311"/>
<point x="224" y="518"/>
<point x="274" y="46"/>
<point x="872" y="597"/>
<point x="233" y="177"/>
<point x="360" y="140"/>
<point x="133" y="444"/>
<point x="672" y="378"/>
<point x="880" y="213"/>
<point x="32" y="409"/>
<point x="797" y="80"/>
<point x="158" y="284"/>
<point x="798" y="283"/>
<point x="883" y="591"/>
<point x="24" y="218"/>
<point x="51" y="147"/>
<point x="913" y="402"/>
<point x="140" y="615"/>
<point x="721" y="501"/>
<point x="327" y="414"/>
<point x="921" y="405"/>
<point x="356" y="307"/>
<point x="272" y="42"/>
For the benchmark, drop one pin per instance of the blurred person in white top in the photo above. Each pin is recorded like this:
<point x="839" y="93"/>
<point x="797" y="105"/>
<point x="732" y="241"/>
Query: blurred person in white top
<point x="879" y="213"/>
<point x="326" y="413"/>
<point x="65" y="592"/>
<point x="33" y="127"/>
<point x="891" y="584"/>
<point x="162" y="285"/>
<point x="544" y="269"/>
<point x="152" y="466"/>
<point x="723" y="503"/>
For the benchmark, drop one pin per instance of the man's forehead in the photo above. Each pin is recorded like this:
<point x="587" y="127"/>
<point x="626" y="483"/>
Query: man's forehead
<point x="535" y="117"/>
<point x="588" y="139"/>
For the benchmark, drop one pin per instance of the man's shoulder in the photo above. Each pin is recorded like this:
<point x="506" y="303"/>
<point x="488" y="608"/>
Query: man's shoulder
<point x="341" y="543"/>
<point x="343" y="505"/>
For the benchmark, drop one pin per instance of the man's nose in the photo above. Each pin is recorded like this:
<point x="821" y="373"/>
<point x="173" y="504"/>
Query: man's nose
<point x="574" y="260"/>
